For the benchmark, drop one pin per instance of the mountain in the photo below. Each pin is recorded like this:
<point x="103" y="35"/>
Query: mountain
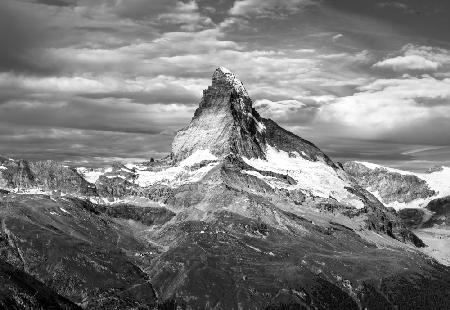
<point x="243" y="214"/>
<point x="422" y="200"/>
<point x="21" y="291"/>
<point x="398" y="188"/>
<point x="43" y="176"/>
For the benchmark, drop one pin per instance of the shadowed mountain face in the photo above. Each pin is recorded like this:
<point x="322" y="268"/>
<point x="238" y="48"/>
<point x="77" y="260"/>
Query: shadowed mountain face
<point x="242" y="215"/>
<point x="19" y="290"/>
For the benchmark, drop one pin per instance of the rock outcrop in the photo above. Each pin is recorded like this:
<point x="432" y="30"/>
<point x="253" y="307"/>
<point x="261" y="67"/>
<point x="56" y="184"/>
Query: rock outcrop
<point x="435" y="215"/>
<point x="390" y="186"/>
<point x="225" y="122"/>
<point x="44" y="175"/>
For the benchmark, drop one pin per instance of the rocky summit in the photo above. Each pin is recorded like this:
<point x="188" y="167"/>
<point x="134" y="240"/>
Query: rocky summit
<point x="224" y="123"/>
<point x="242" y="215"/>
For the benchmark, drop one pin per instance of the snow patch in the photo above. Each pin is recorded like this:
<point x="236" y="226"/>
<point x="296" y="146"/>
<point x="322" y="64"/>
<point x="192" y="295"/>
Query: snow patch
<point x="115" y="176"/>
<point x="254" y="173"/>
<point x="197" y="157"/>
<point x="254" y="248"/>
<point x="317" y="178"/>
<point x="180" y="174"/>
<point x="64" y="210"/>
<point x="90" y="175"/>
<point x="131" y="166"/>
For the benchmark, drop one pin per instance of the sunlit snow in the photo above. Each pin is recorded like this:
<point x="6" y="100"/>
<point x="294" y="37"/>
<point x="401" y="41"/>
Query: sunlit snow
<point x="317" y="178"/>
<point x="179" y="174"/>
<point x="92" y="175"/>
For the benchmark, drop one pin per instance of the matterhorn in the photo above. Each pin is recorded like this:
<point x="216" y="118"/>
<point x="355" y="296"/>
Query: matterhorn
<point x="242" y="214"/>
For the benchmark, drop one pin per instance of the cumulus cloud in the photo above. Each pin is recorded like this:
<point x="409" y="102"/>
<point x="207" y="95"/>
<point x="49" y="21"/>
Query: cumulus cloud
<point x="187" y="15"/>
<point x="408" y="62"/>
<point x="423" y="58"/>
<point x="267" y="7"/>
<point x="408" y="109"/>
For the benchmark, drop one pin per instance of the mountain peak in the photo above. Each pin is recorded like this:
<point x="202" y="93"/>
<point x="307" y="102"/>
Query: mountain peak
<point x="224" y="122"/>
<point x="224" y="77"/>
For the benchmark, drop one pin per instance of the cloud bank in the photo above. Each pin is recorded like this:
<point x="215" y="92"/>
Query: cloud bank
<point x="91" y="82"/>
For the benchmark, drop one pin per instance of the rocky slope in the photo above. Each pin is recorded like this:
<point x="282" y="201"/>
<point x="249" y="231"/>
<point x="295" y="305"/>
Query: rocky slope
<point x="415" y="196"/>
<point x="432" y="224"/>
<point x="69" y="246"/>
<point x="400" y="189"/>
<point x="242" y="215"/>
<point x="389" y="186"/>
<point x="22" y="175"/>
<point x="19" y="290"/>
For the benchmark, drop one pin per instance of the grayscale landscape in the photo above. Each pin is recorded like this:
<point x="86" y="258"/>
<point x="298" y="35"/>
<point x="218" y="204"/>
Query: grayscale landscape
<point x="224" y="154"/>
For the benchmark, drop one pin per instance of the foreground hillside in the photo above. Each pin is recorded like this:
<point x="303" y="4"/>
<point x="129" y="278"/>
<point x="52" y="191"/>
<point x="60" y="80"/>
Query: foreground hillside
<point x="242" y="215"/>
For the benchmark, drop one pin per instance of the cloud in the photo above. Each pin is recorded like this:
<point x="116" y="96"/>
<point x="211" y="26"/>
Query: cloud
<point x="58" y="2"/>
<point x="267" y="8"/>
<point x="139" y="9"/>
<point x="422" y="58"/>
<point x="80" y="147"/>
<point x="155" y="90"/>
<point x="74" y="73"/>
<point x="187" y="15"/>
<point x="408" y="62"/>
<point x="396" y="5"/>
<point x="395" y="109"/>
<point x="337" y="37"/>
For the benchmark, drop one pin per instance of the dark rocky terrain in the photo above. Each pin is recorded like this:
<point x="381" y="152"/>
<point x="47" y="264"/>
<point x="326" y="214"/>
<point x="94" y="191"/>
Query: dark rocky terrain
<point x="18" y="290"/>
<point x="435" y="214"/>
<point x="432" y="224"/>
<point x="242" y="215"/>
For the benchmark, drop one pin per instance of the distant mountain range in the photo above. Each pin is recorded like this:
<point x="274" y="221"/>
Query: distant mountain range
<point x="243" y="214"/>
<point x="421" y="199"/>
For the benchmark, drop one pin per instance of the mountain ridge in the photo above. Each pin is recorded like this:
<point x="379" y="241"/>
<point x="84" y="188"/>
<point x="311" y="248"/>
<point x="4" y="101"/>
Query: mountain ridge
<point x="243" y="215"/>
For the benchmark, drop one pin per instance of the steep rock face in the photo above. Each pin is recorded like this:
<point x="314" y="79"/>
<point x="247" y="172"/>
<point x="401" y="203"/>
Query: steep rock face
<point x="287" y="141"/>
<point x="436" y="214"/>
<point x="44" y="175"/>
<point x="390" y="186"/>
<point x="441" y="212"/>
<point x="224" y="123"/>
<point x="19" y="290"/>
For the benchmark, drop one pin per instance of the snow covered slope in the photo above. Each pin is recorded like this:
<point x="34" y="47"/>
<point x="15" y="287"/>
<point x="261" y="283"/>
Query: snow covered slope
<point x="314" y="177"/>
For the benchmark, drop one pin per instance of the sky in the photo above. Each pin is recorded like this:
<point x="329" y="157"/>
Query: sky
<point x="90" y="82"/>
